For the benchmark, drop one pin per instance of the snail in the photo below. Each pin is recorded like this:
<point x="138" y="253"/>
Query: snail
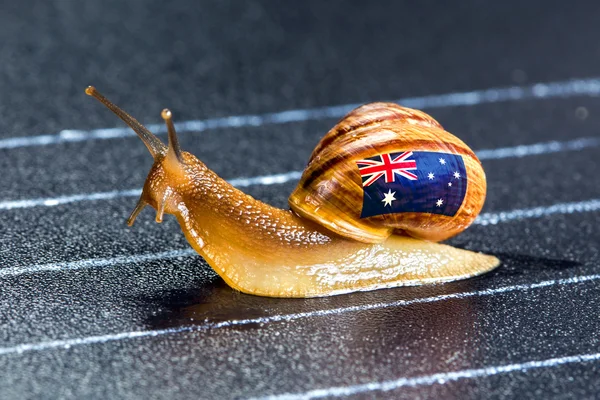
<point x="381" y="188"/>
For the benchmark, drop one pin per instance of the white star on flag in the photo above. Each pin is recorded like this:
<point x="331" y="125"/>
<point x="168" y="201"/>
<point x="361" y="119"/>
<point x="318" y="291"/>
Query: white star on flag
<point x="457" y="175"/>
<point x="449" y="183"/>
<point x="389" y="197"/>
<point x="442" y="161"/>
<point x="439" y="202"/>
<point x="431" y="176"/>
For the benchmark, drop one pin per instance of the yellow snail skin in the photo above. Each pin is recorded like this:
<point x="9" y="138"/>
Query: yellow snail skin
<point x="321" y="246"/>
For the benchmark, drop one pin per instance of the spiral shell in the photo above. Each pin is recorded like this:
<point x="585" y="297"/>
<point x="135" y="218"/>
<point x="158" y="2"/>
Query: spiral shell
<point x="331" y="190"/>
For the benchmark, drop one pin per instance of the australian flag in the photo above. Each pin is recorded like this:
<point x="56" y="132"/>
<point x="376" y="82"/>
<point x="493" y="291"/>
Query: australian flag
<point x="413" y="181"/>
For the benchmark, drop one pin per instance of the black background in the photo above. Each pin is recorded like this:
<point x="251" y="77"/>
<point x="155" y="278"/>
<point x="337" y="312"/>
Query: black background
<point x="216" y="59"/>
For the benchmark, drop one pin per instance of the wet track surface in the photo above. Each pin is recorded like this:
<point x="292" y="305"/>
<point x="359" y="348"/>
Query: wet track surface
<point x="90" y="308"/>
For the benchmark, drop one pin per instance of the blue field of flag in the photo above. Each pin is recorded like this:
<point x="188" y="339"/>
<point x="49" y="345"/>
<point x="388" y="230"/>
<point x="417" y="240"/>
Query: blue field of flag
<point x="419" y="181"/>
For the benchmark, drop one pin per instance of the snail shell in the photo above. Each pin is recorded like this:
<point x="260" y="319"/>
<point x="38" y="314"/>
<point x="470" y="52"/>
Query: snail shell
<point x="330" y="191"/>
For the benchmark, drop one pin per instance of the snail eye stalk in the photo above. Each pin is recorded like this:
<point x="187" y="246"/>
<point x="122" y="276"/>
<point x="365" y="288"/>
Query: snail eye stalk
<point x="174" y="150"/>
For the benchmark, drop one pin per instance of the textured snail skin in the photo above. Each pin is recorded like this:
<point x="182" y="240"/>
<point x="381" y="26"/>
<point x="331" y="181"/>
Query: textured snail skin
<point x="262" y="250"/>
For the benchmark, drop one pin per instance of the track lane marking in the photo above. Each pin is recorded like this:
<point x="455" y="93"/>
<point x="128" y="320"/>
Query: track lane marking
<point x="483" y="219"/>
<point x="558" y="89"/>
<point x="276" y="179"/>
<point x="68" y="343"/>
<point x="428" y="380"/>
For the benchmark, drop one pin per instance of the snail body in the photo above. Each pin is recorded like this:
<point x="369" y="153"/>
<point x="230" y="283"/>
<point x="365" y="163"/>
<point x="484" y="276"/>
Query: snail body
<point x="303" y="252"/>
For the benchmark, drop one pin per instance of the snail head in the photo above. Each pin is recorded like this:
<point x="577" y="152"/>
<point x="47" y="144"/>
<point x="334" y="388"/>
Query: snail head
<point x="171" y="169"/>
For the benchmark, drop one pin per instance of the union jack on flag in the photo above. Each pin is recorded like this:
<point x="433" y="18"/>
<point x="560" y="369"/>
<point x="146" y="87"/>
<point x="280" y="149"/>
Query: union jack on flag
<point x="387" y="166"/>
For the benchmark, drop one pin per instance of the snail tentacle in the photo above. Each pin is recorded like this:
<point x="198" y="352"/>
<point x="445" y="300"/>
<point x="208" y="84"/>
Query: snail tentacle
<point x="154" y="145"/>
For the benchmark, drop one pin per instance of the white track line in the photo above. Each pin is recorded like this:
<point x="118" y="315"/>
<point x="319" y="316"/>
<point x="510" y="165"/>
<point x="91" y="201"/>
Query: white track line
<point x="483" y="219"/>
<point x="487" y="154"/>
<point x="538" y="212"/>
<point x="67" y="343"/>
<point x="569" y="88"/>
<point x="439" y="378"/>
<point x="76" y="198"/>
<point x="538" y="148"/>
<point x="96" y="262"/>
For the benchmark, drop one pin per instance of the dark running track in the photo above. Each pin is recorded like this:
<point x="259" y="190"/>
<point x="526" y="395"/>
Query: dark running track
<point x="92" y="309"/>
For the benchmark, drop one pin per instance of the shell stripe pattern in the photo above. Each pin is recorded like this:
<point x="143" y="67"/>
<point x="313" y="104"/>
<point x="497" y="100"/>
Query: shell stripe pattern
<point x="331" y="193"/>
<point x="370" y="115"/>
